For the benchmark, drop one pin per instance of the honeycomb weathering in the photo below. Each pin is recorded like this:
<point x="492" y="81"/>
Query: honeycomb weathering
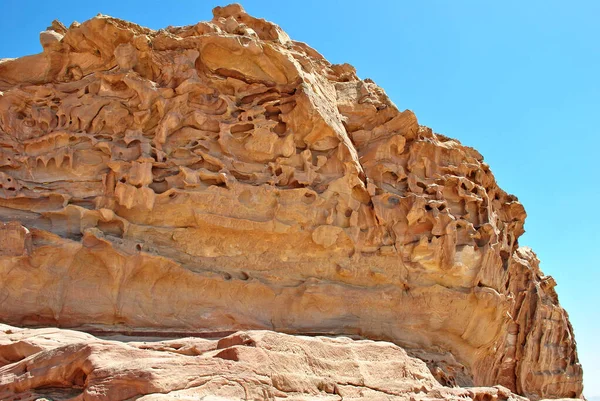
<point x="222" y="177"/>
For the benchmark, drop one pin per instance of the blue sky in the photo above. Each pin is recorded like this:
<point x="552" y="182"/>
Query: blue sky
<point x="517" y="80"/>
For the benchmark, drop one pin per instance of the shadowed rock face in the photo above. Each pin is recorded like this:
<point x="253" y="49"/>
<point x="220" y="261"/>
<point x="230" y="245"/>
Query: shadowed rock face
<point x="222" y="177"/>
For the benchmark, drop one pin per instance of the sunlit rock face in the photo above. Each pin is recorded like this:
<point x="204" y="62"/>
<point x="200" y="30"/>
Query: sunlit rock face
<point x="249" y="365"/>
<point x="222" y="177"/>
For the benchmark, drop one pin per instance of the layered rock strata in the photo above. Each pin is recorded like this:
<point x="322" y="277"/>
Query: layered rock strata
<point x="222" y="177"/>
<point x="255" y="365"/>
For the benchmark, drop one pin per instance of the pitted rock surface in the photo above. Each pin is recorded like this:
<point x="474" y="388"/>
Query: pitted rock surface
<point x="223" y="177"/>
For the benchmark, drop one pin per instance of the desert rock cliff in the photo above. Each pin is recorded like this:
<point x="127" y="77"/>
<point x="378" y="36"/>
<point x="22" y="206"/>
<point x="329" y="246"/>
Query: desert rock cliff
<point x="222" y="177"/>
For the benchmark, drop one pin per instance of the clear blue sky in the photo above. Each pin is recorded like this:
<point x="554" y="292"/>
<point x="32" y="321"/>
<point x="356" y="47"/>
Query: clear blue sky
<point x="517" y="80"/>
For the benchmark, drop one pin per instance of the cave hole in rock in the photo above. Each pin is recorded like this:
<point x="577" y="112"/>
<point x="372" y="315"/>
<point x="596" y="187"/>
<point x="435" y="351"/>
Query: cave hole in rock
<point x="79" y="378"/>
<point x="239" y="128"/>
<point x="114" y="228"/>
<point x="159" y="186"/>
<point x="505" y="256"/>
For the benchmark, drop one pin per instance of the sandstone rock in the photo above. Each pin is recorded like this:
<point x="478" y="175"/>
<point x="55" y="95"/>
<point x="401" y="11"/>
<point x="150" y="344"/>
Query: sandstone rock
<point x="223" y="177"/>
<point x="253" y="365"/>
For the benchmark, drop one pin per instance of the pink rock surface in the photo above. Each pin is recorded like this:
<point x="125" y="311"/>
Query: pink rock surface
<point x="253" y="365"/>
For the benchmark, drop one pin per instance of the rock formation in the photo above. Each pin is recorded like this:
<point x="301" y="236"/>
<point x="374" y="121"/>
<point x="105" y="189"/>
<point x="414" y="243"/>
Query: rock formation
<point x="223" y="177"/>
<point x="255" y="365"/>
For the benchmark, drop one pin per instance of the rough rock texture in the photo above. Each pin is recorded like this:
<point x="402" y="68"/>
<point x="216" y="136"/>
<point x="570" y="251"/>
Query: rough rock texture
<point x="254" y="365"/>
<point x="222" y="177"/>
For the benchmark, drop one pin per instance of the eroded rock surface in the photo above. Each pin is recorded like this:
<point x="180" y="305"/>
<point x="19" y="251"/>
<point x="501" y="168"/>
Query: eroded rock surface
<point x="253" y="365"/>
<point x="223" y="177"/>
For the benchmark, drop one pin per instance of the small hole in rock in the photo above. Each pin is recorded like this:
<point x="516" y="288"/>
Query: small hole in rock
<point x="393" y="201"/>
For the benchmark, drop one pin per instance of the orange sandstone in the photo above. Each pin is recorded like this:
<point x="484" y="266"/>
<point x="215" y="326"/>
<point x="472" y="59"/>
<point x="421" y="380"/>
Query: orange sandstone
<point x="223" y="177"/>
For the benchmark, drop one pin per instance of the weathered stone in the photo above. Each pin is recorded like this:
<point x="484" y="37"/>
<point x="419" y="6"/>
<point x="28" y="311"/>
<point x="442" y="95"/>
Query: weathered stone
<point x="222" y="177"/>
<point x="252" y="365"/>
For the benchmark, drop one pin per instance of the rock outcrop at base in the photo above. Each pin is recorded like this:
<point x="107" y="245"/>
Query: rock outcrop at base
<point x="253" y="365"/>
<point x="223" y="177"/>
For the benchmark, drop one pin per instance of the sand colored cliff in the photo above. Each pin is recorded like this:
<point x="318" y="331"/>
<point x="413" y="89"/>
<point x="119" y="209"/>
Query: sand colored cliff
<point x="221" y="177"/>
